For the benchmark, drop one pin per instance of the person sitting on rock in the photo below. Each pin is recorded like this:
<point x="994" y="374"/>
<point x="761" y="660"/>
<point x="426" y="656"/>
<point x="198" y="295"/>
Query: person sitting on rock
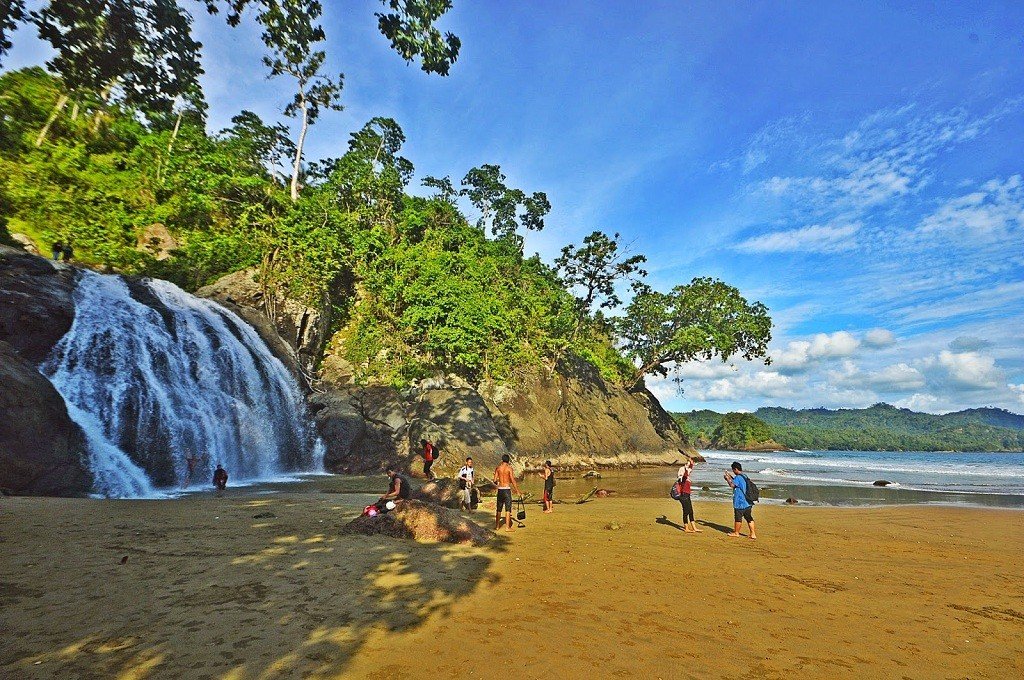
<point x="466" y="479"/>
<point x="220" y="478"/>
<point x="58" y="249"/>
<point x="428" y="458"/>
<point x="398" y="488"/>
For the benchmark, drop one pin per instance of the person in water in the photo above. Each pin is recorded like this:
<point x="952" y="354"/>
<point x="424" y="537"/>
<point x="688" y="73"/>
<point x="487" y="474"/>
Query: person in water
<point x="742" y="509"/>
<point x="220" y="478"/>
<point x="428" y="458"/>
<point x="466" y="478"/>
<point x="505" y="480"/>
<point x="398" y="487"/>
<point x="57" y="249"/>
<point x="190" y="462"/>
<point x="689" y="525"/>
<point x="549" y="486"/>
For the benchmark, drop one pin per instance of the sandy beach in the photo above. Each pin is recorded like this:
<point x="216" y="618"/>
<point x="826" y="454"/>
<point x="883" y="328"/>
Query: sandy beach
<point x="257" y="585"/>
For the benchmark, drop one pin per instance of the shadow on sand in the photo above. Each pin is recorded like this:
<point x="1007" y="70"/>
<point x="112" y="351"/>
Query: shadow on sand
<point x="667" y="522"/>
<point x="717" y="527"/>
<point x="227" y="597"/>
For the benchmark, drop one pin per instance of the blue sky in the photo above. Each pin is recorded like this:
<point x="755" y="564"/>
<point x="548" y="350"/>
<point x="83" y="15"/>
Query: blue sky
<point x="856" y="166"/>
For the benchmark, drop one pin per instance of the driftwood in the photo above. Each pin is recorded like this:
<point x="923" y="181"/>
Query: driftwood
<point x="587" y="497"/>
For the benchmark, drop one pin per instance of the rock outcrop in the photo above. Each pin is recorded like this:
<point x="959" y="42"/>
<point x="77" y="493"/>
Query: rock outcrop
<point x="304" y="329"/>
<point x="366" y="429"/>
<point x="419" y="521"/>
<point x="36" y="302"/>
<point x="577" y="420"/>
<point x="42" y="451"/>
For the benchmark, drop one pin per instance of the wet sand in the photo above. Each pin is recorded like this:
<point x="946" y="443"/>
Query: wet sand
<point x="210" y="590"/>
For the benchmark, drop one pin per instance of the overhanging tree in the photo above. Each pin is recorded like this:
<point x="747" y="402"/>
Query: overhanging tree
<point x="703" y="319"/>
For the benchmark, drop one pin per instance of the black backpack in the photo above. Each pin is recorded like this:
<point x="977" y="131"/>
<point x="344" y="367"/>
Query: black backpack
<point x="436" y="451"/>
<point x="752" y="493"/>
<point x="676" y="492"/>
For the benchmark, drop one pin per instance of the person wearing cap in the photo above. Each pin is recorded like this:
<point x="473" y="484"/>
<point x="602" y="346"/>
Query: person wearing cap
<point x="741" y="507"/>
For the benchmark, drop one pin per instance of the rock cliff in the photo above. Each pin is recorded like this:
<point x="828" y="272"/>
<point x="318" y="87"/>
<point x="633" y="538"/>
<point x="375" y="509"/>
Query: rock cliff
<point x="42" y="451"/>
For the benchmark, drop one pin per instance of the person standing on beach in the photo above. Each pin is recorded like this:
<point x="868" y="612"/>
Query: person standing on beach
<point x="505" y="480"/>
<point x="549" y="486"/>
<point x="466" y="478"/>
<point x="741" y="507"/>
<point x="428" y="459"/>
<point x="689" y="525"/>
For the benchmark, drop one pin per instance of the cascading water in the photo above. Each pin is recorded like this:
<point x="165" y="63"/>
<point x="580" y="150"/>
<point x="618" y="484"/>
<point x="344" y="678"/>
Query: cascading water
<point x="153" y="374"/>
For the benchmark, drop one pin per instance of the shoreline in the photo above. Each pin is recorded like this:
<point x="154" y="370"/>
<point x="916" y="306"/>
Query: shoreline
<point x="255" y="585"/>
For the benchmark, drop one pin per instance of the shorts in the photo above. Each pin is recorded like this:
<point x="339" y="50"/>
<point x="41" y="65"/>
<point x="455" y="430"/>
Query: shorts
<point x="467" y="495"/>
<point x="505" y="500"/>
<point x="743" y="514"/>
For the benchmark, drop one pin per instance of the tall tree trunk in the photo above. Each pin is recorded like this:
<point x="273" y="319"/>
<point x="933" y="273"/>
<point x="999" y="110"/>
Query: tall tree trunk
<point x="105" y="97"/>
<point x="74" y="111"/>
<point x="62" y="101"/>
<point x="298" y="152"/>
<point x="170" y="147"/>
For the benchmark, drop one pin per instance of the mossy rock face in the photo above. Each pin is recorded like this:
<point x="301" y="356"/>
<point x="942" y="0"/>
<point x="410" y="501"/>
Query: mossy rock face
<point x="422" y="522"/>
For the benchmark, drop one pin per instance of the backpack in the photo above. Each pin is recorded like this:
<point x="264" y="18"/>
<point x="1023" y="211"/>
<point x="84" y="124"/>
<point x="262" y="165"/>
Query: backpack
<point x="435" y="451"/>
<point x="676" y="492"/>
<point x="752" y="493"/>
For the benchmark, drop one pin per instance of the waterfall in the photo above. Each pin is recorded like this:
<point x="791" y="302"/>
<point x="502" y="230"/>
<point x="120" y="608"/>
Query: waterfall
<point x="153" y="374"/>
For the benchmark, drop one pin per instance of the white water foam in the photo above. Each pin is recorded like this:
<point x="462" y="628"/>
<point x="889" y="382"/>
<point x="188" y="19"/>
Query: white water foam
<point x="153" y="382"/>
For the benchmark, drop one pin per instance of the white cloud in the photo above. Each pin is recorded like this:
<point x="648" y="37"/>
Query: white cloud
<point x="879" y="337"/>
<point x="704" y="370"/>
<point x="895" y="378"/>
<point x="817" y="238"/>
<point x="966" y="370"/>
<point x="746" y="385"/>
<point x="838" y="344"/>
<point x="928" y="403"/>
<point x="1018" y="390"/>
<point x="967" y="343"/>
<point x="997" y="209"/>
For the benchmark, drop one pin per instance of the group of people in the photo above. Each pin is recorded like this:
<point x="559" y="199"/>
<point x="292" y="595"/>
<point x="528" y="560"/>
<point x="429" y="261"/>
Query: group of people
<point x="505" y="480"/>
<point x="62" y="249"/>
<point x="743" y="509"/>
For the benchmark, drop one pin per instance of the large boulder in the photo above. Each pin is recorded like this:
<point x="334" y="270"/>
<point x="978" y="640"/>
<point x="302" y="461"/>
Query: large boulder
<point x="365" y="429"/>
<point x="440" y="492"/>
<point x="576" y="419"/>
<point x="42" y="451"/>
<point x="302" y="327"/>
<point x="354" y="442"/>
<point x="419" y="521"/>
<point x="36" y="302"/>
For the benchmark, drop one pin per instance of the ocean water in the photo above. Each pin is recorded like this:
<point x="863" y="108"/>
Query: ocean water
<point x="839" y="478"/>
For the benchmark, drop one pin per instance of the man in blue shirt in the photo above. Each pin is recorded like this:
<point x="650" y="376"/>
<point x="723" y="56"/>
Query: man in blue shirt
<point x="741" y="507"/>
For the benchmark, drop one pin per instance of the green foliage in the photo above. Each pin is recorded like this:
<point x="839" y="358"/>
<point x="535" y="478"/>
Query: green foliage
<point x="410" y="28"/>
<point x="740" y="430"/>
<point x="595" y="267"/>
<point x="701" y="320"/>
<point x="882" y="428"/>
<point x="12" y="12"/>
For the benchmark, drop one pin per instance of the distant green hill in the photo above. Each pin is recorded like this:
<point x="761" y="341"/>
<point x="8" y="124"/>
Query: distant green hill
<point x="879" y="428"/>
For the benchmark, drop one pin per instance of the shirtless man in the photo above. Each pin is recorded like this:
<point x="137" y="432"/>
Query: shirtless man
<point x="505" y="480"/>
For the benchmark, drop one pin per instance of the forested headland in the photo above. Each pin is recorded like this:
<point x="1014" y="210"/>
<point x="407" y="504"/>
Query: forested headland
<point x="879" y="428"/>
<point x="107" y="149"/>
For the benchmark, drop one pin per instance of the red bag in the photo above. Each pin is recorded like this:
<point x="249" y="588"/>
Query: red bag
<point x="370" y="511"/>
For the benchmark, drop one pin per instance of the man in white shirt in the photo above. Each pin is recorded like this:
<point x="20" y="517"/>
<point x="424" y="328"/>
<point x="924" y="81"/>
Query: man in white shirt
<point x="466" y="478"/>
